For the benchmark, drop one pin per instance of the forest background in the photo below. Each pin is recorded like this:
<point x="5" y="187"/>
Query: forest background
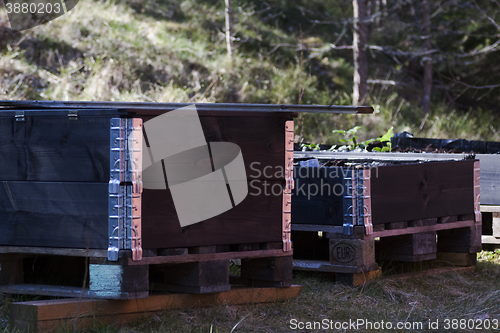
<point x="431" y="68"/>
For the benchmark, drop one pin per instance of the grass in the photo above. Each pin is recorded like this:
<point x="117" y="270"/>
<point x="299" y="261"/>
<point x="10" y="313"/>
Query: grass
<point x="417" y="299"/>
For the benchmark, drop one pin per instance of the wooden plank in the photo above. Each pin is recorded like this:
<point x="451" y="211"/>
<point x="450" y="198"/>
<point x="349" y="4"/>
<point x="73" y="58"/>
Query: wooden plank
<point x="490" y="240"/>
<point x="362" y="275"/>
<point x="434" y="190"/>
<point x="154" y="108"/>
<point x="179" y="259"/>
<point x="325" y="266"/>
<point x="39" y="316"/>
<point x="63" y="214"/>
<point x="47" y="290"/>
<point x="67" y="291"/>
<point x="490" y="209"/>
<point x="377" y="156"/>
<point x="257" y="219"/>
<point x="313" y="265"/>
<point x="316" y="227"/>
<point x="55" y="251"/>
<point x="310" y="265"/>
<point x="55" y="149"/>
<point x="414" y="230"/>
<point x="490" y="178"/>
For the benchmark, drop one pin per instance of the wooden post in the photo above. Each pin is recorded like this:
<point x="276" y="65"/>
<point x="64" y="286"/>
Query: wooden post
<point x="461" y="240"/>
<point x="410" y="247"/>
<point x="117" y="280"/>
<point x="268" y="271"/>
<point x="353" y="255"/>
<point x="196" y="277"/>
<point x="11" y="269"/>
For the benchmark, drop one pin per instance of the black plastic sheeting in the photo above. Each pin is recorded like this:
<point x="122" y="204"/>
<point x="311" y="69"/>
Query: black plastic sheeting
<point x="406" y="141"/>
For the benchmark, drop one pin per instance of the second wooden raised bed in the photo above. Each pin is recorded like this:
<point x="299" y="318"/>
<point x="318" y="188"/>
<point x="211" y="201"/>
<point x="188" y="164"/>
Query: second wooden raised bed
<point x="418" y="210"/>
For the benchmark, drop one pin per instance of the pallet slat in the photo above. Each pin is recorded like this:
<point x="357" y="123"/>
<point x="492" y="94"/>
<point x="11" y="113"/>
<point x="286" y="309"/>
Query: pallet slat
<point x="428" y="228"/>
<point x="179" y="259"/>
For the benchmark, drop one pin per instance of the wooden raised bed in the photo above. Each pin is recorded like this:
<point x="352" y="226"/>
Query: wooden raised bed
<point x="407" y="205"/>
<point x="68" y="201"/>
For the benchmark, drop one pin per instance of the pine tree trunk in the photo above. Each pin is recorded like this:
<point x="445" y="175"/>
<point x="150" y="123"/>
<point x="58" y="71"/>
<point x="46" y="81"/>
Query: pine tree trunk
<point x="229" y="38"/>
<point x="359" y="52"/>
<point x="426" y="97"/>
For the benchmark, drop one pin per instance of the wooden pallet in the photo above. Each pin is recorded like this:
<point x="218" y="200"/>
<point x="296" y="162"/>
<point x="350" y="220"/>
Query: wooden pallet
<point x="453" y="240"/>
<point x="51" y="315"/>
<point x="76" y="273"/>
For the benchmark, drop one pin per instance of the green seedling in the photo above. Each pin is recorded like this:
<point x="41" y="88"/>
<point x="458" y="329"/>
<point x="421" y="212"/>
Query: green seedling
<point x="386" y="138"/>
<point x="350" y="138"/>
<point x="312" y="146"/>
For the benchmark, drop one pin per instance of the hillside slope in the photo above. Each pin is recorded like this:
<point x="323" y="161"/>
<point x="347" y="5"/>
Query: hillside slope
<point x="153" y="50"/>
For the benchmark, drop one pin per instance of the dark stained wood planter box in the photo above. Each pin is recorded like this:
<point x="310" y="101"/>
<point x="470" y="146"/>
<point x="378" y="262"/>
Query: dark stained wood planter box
<point x="399" y="193"/>
<point x="55" y="172"/>
<point x="70" y="188"/>
<point x="420" y="207"/>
